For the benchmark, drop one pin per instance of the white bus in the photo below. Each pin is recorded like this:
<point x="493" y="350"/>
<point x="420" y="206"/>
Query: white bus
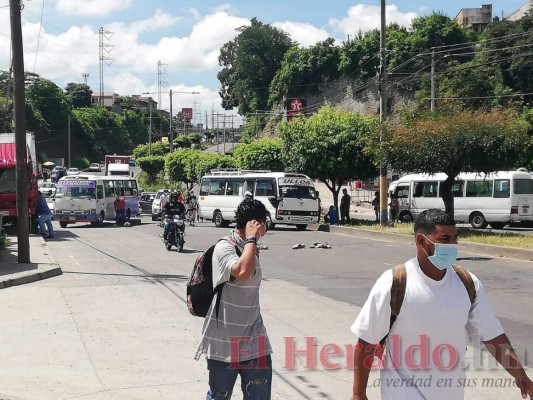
<point x="498" y="198"/>
<point x="289" y="198"/>
<point x="88" y="198"/>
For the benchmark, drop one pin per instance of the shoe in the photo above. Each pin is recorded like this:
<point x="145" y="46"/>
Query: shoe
<point x="49" y="237"/>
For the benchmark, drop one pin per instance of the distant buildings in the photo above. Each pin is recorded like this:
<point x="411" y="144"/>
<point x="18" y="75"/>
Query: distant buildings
<point x="477" y="19"/>
<point x="521" y="11"/>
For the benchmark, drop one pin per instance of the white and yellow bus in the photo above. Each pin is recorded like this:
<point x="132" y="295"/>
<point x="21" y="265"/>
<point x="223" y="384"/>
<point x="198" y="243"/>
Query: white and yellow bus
<point x="289" y="198"/>
<point x="90" y="198"/>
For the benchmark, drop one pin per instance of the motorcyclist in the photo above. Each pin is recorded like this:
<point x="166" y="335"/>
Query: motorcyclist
<point x="173" y="207"/>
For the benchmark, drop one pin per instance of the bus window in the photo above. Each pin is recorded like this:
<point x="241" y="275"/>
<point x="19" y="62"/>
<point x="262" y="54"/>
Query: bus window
<point x="119" y="188"/>
<point x="217" y="187"/>
<point x="99" y="192"/>
<point x="264" y="188"/>
<point x="234" y="186"/>
<point x="523" y="186"/>
<point x="457" y="189"/>
<point x="204" y="188"/>
<point x="108" y="189"/>
<point x="502" y="188"/>
<point x="426" y="189"/>
<point x="479" y="188"/>
<point x="128" y="188"/>
<point x="402" y="192"/>
<point x="250" y="185"/>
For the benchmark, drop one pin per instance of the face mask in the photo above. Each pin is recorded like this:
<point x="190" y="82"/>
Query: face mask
<point x="444" y="256"/>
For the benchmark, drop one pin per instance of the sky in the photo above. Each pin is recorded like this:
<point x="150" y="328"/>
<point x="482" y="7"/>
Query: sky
<point x="61" y="38"/>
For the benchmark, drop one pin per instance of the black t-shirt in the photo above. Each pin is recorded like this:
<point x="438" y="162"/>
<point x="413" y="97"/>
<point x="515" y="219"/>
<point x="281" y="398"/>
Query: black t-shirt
<point x="176" y="208"/>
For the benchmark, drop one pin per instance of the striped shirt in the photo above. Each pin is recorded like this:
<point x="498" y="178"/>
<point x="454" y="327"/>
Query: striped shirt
<point x="239" y="329"/>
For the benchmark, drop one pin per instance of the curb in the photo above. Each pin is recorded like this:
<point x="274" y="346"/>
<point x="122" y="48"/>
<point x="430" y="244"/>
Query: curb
<point x="478" y="248"/>
<point x="21" y="278"/>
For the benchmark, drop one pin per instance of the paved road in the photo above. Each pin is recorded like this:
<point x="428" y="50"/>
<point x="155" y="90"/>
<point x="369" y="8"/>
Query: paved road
<point x="114" y="325"/>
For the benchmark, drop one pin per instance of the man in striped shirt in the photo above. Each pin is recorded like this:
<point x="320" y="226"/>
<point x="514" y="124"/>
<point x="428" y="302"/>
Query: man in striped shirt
<point x="235" y="342"/>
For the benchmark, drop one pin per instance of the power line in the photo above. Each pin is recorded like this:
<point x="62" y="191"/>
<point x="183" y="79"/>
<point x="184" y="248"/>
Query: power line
<point x="38" y="37"/>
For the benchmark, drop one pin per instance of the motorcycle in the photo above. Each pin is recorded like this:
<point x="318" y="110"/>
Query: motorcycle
<point x="176" y="233"/>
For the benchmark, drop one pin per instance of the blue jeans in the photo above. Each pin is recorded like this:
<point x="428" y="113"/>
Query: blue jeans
<point x="46" y="219"/>
<point x="256" y="381"/>
<point x="120" y="217"/>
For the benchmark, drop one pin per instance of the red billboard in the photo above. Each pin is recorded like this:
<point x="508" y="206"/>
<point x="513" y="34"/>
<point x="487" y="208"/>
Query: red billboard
<point x="186" y="114"/>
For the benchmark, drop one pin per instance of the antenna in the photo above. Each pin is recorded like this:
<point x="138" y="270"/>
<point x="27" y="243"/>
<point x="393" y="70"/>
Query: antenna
<point x="105" y="47"/>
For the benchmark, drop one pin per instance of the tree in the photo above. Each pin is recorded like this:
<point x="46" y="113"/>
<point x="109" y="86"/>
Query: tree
<point x="260" y="154"/>
<point x="152" y="165"/>
<point x="182" y="142"/>
<point x="329" y="146"/>
<point x="188" y="166"/>
<point x="80" y="94"/>
<point x="249" y="62"/>
<point x="460" y="142"/>
<point x="158" y="149"/>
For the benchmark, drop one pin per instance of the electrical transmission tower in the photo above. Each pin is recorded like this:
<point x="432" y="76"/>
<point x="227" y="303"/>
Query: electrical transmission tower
<point x="161" y="80"/>
<point x="105" y="47"/>
<point x="85" y="76"/>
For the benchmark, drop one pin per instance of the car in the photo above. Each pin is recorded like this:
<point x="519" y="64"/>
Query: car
<point x="48" y="189"/>
<point x="156" y="204"/>
<point x="145" y="202"/>
<point x="73" y="171"/>
<point x="57" y="173"/>
<point x="94" y="167"/>
<point x="51" y="205"/>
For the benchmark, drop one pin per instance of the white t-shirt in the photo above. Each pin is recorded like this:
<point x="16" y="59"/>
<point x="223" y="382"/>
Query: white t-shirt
<point x="435" y="316"/>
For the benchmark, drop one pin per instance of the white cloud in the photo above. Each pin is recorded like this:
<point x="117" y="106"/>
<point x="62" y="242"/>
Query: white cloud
<point x="305" y="34"/>
<point x="364" y="18"/>
<point x="92" y="8"/>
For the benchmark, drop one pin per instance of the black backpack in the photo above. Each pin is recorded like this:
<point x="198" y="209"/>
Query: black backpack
<point x="200" y="291"/>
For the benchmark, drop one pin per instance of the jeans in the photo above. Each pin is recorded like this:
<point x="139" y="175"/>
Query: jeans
<point x="46" y="219"/>
<point x="345" y="214"/>
<point x="256" y="381"/>
<point x="120" y="217"/>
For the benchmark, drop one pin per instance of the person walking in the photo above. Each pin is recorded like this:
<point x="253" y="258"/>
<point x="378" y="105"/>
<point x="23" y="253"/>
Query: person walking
<point x="345" y="207"/>
<point x="436" y="307"/>
<point x="45" y="217"/>
<point x="375" y="204"/>
<point x="319" y="201"/>
<point x="235" y="341"/>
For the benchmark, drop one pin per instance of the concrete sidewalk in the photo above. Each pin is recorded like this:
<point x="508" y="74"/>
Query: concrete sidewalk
<point x="42" y="265"/>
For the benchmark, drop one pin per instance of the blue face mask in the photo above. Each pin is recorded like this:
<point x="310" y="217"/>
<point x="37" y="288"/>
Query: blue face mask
<point x="444" y="256"/>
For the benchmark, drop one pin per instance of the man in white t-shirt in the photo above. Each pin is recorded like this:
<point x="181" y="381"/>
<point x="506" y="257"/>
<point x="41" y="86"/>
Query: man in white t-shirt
<point x="425" y="348"/>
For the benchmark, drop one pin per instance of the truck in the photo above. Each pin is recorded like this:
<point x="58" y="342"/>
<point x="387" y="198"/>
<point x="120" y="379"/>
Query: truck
<point x="8" y="179"/>
<point x="117" y="165"/>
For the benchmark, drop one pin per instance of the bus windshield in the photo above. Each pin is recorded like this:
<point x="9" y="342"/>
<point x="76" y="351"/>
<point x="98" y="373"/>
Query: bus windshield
<point x="76" y="190"/>
<point x="523" y="186"/>
<point x="298" y="192"/>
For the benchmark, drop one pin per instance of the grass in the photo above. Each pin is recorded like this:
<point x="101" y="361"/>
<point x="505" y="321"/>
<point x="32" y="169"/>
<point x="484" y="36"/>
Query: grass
<point x="4" y="240"/>
<point x="465" y="234"/>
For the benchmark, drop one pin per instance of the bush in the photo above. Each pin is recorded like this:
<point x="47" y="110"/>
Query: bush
<point x="81" y="163"/>
<point x="4" y="240"/>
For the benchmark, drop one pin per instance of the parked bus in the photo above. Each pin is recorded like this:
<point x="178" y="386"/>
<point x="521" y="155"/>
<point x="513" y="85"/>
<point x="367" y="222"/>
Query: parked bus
<point x="498" y="198"/>
<point x="88" y="198"/>
<point x="289" y="198"/>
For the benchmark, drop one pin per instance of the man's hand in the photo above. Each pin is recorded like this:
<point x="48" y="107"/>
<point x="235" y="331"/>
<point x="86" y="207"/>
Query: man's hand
<point x="526" y="387"/>
<point x="254" y="228"/>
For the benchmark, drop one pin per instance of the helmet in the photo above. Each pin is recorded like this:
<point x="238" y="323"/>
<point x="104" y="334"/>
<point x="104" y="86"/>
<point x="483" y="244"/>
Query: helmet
<point x="174" y="196"/>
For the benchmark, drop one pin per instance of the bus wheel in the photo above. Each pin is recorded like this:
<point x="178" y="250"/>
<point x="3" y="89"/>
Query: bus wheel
<point x="477" y="220"/>
<point x="218" y="219"/>
<point x="301" y="227"/>
<point x="63" y="224"/>
<point x="406" y="216"/>
<point x="269" y="225"/>
<point x="497" y="225"/>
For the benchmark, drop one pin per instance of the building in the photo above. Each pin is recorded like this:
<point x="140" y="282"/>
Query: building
<point x="108" y="99"/>
<point x="521" y="11"/>
<point x="477" y="19"/>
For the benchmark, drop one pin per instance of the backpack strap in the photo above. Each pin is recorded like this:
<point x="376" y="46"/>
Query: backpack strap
<point x="397" y="293"/>
<point x="218" y="290"/>
<point x="467" y="280"/>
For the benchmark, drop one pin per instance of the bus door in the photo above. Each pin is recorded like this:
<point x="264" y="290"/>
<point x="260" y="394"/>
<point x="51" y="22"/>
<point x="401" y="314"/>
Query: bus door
<point x="109" y="200"/>
<point x="100" y="202"/>
<point x="402" y="193"/>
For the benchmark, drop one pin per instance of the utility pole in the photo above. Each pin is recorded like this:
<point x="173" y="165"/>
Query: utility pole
<point x="224" y="136"/>
<point x="68" y="141"/>
<point x="171" y="134"/>
<point x="23" y="179"/>
<point x="432" y="79"/>
<point x="150" y="129"/>
<point x="383" y="113"/>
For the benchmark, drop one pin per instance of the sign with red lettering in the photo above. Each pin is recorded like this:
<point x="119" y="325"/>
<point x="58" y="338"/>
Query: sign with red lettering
<point x="186" y="114"/>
